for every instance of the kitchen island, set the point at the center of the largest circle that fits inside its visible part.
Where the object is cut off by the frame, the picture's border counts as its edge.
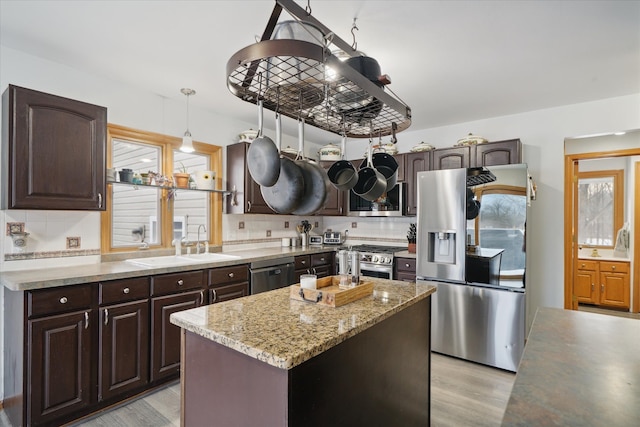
(578, 369)
(269, 360)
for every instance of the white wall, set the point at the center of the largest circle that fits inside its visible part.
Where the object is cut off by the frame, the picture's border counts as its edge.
(542, 133)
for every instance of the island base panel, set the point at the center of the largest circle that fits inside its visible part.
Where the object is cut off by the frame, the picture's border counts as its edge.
(379, 377)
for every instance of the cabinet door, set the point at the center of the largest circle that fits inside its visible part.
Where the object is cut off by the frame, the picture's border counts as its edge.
(335, 198)
(59, 366)
(414, 163)
(584, 286)
(498, 153)
(228, 292)
(55, 152)
(401, 159)
(451, 158)
(247, 197)
(124, 348)
(165, 336)
(614, 289)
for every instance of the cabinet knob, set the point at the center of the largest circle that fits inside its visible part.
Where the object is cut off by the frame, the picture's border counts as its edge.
(407, 265)
(583, 265)
(322, 259)
(303, 262)
(63, 300)
(613, 267)
(231, 274)
(602, 288)
(126, 290)
(180, 282)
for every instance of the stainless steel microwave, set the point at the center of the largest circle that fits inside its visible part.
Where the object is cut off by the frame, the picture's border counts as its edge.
(391, 203)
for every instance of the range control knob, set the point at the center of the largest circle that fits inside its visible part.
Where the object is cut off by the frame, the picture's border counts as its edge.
(375, 258)
(387, 260)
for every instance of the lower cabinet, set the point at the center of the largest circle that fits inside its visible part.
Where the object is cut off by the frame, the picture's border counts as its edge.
(227, 283)
(320, 264)
(171, 293)
(405, 269)
(59, 379)
(605, 283)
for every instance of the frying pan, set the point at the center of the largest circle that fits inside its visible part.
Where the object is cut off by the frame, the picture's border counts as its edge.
(316, 181)
(284, 196)
(263, 159)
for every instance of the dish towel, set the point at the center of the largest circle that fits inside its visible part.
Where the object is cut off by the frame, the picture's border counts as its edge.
(622, 242)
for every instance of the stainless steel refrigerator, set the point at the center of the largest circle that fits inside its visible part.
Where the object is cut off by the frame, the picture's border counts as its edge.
(471, 247)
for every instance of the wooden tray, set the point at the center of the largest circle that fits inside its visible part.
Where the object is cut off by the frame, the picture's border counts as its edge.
(329, 293)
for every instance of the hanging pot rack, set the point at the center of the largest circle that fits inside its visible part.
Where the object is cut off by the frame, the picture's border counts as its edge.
(314, 98)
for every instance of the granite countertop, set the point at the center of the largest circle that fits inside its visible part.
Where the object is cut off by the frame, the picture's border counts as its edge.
(603, 258)
(284, 333)
(577, 369)
(24, 280)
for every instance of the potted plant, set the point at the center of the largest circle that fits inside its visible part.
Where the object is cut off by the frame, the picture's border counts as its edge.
(411, 237)
(182, 177)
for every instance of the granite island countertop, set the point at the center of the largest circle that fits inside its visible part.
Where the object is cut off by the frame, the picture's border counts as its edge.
(42, 278)
(577, 369)
(284, 333)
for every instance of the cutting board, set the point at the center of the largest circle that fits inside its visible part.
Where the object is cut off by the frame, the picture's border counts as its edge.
(329, 293)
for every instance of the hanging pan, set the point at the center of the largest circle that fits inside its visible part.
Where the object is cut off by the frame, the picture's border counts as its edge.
(284, 196)
(371, 183)
(342, 174)
(316, 182)
(263, 159)
(387, 165)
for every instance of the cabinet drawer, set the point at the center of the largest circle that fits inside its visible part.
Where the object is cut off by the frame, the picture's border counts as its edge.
(225, 275)
(123, 290)
(176, 282)
(614, 267)
(302, 261)
(406, 264)
(320, 259)
(587, 265)
(58, 300)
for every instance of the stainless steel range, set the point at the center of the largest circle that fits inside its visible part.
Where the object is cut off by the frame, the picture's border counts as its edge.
(375, 260)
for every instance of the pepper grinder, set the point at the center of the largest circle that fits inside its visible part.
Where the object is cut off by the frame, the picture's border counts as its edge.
(354, 256)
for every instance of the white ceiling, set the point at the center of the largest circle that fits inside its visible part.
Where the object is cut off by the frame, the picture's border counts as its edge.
(450, 61)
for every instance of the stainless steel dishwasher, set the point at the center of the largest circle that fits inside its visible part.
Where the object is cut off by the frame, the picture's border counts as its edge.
(271, 274)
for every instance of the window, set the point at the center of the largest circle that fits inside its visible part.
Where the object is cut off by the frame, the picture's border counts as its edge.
(151, 214)
(600, 207)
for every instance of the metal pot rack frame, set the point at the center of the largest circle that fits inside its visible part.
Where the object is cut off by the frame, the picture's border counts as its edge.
(313, 98)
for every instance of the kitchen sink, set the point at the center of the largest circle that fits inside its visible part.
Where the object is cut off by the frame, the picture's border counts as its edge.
(173, 260)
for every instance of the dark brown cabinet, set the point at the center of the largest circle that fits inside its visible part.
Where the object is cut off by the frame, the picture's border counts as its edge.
(498, 153)
(227, 283)
(123, 357)
(53, 152)
(405, 269)
(246, 196)
(59, 371)
(320, 264)
(451, 158)
(171, 293)
(414, 163)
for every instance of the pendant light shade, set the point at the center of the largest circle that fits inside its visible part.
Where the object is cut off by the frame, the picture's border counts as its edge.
(187, 140)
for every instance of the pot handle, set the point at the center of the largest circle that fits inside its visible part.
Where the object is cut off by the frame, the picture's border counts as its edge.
(300, 139)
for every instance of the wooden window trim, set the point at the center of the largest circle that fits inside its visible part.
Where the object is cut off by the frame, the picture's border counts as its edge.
(167, 145)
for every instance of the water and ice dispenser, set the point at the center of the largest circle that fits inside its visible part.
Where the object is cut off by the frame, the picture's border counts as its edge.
(442, 247)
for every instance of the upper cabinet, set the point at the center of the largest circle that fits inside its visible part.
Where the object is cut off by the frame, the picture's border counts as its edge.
(487, 154)
(53, 152)
(246, 196)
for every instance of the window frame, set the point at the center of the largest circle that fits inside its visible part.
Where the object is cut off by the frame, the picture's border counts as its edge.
(167, 145)
(618, 203)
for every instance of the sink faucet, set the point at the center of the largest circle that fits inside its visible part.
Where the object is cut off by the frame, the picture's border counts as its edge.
(204, 230)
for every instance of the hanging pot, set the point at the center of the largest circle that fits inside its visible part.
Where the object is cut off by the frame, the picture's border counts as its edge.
(263, 158)
(354, 103)
(388, 167)
(371, 183)
(284, 196)
(315, 178)
(342, 174)
(473, 206)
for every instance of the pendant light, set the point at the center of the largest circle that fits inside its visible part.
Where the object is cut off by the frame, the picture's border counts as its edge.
(187, 141)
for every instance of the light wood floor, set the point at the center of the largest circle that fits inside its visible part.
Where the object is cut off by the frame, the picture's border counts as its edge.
(462, 394)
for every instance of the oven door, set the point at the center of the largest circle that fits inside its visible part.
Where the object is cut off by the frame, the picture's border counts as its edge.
(375, 270)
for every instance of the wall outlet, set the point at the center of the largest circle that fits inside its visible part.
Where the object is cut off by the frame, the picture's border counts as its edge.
(286, 224)
(268, 233)
(73, 242)
(316, 224)
(15, 227)
(354, 225)
(241, 225)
